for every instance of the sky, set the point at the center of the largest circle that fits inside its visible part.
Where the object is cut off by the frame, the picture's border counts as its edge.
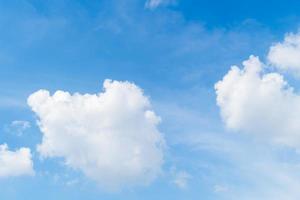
(149, 99)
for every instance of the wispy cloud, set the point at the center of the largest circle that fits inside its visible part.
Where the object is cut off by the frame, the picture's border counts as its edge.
(180, 178)
(152, 4)
(12, 102)
(242, 167)
(17, 127)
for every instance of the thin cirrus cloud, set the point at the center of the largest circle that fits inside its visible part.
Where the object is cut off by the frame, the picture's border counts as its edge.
(15, 163)
(18, 127)
(286, 55)
(112, 137)
(152, 4)
(181, 179)
(260, 103)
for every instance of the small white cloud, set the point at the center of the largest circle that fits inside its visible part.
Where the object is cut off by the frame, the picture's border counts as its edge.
(15, 163)
(112, 136)
(152, 4)
(72, 182)
(286, 55)
(18, 127)
(180, 178)
(220, 189)
(260, 103)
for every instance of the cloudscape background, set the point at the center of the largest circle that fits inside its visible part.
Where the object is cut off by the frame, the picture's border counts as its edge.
(149, 99)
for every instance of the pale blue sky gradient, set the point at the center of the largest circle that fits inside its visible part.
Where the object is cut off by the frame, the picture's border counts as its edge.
(176, 53)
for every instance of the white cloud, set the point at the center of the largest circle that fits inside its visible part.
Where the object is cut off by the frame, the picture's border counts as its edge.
(18, 127)
(260, 103)
(111, 136)
(152, 4)
(220, 188)
(245, 168)
(180, 178)
(15, 163)
(286, 55)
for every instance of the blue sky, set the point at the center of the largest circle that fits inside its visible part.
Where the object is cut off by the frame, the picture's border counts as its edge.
(175, 51)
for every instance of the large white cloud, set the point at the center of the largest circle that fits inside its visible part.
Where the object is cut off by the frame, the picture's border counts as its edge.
(286, 55)
(15, 163)
(261, 103)
(111, 136)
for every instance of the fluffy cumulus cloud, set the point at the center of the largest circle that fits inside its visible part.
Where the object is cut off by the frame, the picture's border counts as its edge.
(152, 4)
(286, 55)
(261, 103)
(15, 163)
(112, 137)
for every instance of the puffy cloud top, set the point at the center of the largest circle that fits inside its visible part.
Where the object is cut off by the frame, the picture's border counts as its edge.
(286, 55)
(112, 136)
(15, 163)
(260, 103)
